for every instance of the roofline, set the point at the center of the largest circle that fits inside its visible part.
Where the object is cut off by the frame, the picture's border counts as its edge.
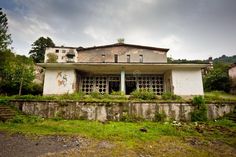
(115, 45)
(55, 65)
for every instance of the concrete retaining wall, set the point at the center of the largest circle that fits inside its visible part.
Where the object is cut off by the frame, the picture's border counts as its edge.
(115, 111)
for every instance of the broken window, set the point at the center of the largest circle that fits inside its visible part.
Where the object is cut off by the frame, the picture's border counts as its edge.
(141, 58)
(114, 84)
(130, 84)
(116, 58)
(94, 84)
(151, 82)
(103, 58)
(128, 58)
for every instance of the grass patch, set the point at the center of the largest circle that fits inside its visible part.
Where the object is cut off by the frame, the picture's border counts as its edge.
(127, 133)
(219, 96)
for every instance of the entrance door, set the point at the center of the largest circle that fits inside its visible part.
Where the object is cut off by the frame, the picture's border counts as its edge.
(130, 84)
(114, 86)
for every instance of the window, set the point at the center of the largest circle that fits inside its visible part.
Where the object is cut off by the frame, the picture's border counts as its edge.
(141, 58)
(57, 51)
(63, 51)
(116, 58)
(128, 58)
(103, 58)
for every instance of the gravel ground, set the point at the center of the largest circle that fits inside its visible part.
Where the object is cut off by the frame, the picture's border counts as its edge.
(17, 145)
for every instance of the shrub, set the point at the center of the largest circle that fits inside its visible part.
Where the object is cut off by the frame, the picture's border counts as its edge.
(143, 94)
(131, 118)
(160, 116)
(117, 93)
(170, 96)
(26, 119)
(52, 58)
(200, 111)
(96, 95)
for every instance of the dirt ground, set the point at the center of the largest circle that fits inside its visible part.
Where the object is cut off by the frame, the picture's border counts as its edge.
(18, 145)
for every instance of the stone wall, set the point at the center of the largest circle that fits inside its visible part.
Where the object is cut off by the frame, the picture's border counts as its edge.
(115, 111)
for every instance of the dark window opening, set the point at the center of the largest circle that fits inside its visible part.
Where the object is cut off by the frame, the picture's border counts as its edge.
(114, 86)
(141, 58)
(130, 86)
(57, 51)
(116, 58)
(128, 58)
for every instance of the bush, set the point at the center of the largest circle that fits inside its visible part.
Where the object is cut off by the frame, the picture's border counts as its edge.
(200, 111)
(143, 94)
(96, 95)
(217, 79)
(160, 116)
(131, 118)
(170, 96)
(26, 119)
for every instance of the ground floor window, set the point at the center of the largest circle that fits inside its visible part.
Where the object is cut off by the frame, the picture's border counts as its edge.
(108, 83)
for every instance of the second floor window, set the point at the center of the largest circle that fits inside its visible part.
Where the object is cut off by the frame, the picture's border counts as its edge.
(141, 58)
(128, 58)
(57, 51)
(103, 58)
(116, 58)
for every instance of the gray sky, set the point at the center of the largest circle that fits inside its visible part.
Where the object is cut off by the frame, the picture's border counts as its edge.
(192, 29)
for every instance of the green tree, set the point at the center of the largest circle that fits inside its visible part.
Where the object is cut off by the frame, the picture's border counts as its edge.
(17, 73)
(38, 49)
(217, 79)
(5, 38)
(52, 58)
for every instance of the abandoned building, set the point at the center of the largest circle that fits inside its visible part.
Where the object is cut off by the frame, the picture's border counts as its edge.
(118, 67)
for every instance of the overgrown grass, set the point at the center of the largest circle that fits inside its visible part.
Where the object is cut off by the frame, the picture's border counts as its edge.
(127, 133)
(219, 96)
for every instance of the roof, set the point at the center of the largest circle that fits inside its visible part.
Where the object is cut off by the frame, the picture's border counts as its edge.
(116, 45)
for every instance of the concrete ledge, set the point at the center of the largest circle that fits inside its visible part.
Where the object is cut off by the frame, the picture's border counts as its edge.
(102, 111)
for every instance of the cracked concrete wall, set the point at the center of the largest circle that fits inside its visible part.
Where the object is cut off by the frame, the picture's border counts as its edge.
(115, 111)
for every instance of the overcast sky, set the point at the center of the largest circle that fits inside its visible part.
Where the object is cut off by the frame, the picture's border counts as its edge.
(192, 29)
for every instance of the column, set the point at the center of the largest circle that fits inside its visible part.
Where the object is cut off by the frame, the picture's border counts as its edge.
(122, 81)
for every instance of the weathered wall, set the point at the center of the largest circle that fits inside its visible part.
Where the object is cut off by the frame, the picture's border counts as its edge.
(61, 54)
(187, 82)
(95, 55)
(115, 111)
(59, 81)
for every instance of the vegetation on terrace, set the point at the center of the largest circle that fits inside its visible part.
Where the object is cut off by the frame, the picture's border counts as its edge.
(141, 95)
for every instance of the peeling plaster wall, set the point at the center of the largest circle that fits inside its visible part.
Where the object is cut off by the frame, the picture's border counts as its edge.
(115, 111)
(95, 55)
(59, 81)
(62, 58)
(187, 82)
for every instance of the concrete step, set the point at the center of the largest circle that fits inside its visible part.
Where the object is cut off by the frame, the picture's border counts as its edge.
(6, 113)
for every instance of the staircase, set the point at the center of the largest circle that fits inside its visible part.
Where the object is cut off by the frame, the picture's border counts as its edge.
(232, 116)
(6, 113)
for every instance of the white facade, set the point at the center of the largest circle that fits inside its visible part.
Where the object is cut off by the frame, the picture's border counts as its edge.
(58, 81)
(187, 82)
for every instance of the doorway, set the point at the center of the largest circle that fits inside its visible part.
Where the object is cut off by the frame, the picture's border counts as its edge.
(130, 84)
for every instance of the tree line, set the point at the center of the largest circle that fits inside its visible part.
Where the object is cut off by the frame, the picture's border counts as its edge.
(17, 72)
